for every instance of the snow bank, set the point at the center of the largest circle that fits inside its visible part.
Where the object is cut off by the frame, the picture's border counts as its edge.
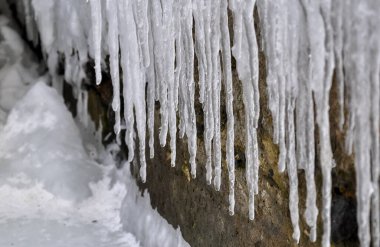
(40, 124)
(52, 193)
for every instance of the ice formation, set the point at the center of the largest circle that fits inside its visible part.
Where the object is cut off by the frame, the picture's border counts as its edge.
(305, 43)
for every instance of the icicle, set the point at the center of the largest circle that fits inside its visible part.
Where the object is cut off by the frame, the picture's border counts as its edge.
(169, 44)
(311, 212)
(127, 80)
(305, 137)
(292, 171)
(113, 44)
(322, 104)
(274, 37)
(375, 123)
(321, 67)
(247, 67)
(208, 104)
(337, 21)
(361, 112)
(227, 74)
(186, 80)
(158, 32)
(85, 109)
(96, 18)
(151, 95)
(138, 82)
(203, 26)
(133, 83)
(140, 10)
(292, 50)
(282, 70)
(29, 22)
(200, 46)
(180, 70)
(375, 147)
(216, 87)
(44, 17)
(164, 40)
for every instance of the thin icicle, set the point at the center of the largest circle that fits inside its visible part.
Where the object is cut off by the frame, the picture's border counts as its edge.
(311, 212)
(281, 77)
(96, 20)
(251, 45)
(127, 80)
(113, 44)
(227, 74)
(151, 94)
(169, 46)
(203, 26)
(375, 148)
(158, 34)
(292, 87)
(216, 87)
(200, 46)
(180, 71)
(292, 171)
(138, 84)
(337, 21)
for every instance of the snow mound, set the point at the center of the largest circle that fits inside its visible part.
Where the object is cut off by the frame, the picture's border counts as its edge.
(52, 193)
(40, 124)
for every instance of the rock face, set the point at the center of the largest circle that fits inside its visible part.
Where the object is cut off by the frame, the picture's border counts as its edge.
(201, 212)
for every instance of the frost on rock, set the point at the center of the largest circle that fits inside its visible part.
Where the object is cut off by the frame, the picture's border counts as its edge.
(163, 43)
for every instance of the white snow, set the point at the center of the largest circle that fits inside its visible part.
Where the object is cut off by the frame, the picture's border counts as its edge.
(58, 185)
(55, 194)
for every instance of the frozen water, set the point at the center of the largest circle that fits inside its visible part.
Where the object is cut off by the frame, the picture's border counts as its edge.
(304, 43)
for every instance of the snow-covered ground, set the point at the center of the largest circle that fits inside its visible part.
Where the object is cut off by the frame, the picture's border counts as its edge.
(58, 186)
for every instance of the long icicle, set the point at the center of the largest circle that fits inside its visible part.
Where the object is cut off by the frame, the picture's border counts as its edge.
(96, 18)
(245, 39)
(216, 87)
(113, 44)
(227, 79)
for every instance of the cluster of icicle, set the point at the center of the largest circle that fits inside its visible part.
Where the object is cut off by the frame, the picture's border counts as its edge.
(305, 42)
